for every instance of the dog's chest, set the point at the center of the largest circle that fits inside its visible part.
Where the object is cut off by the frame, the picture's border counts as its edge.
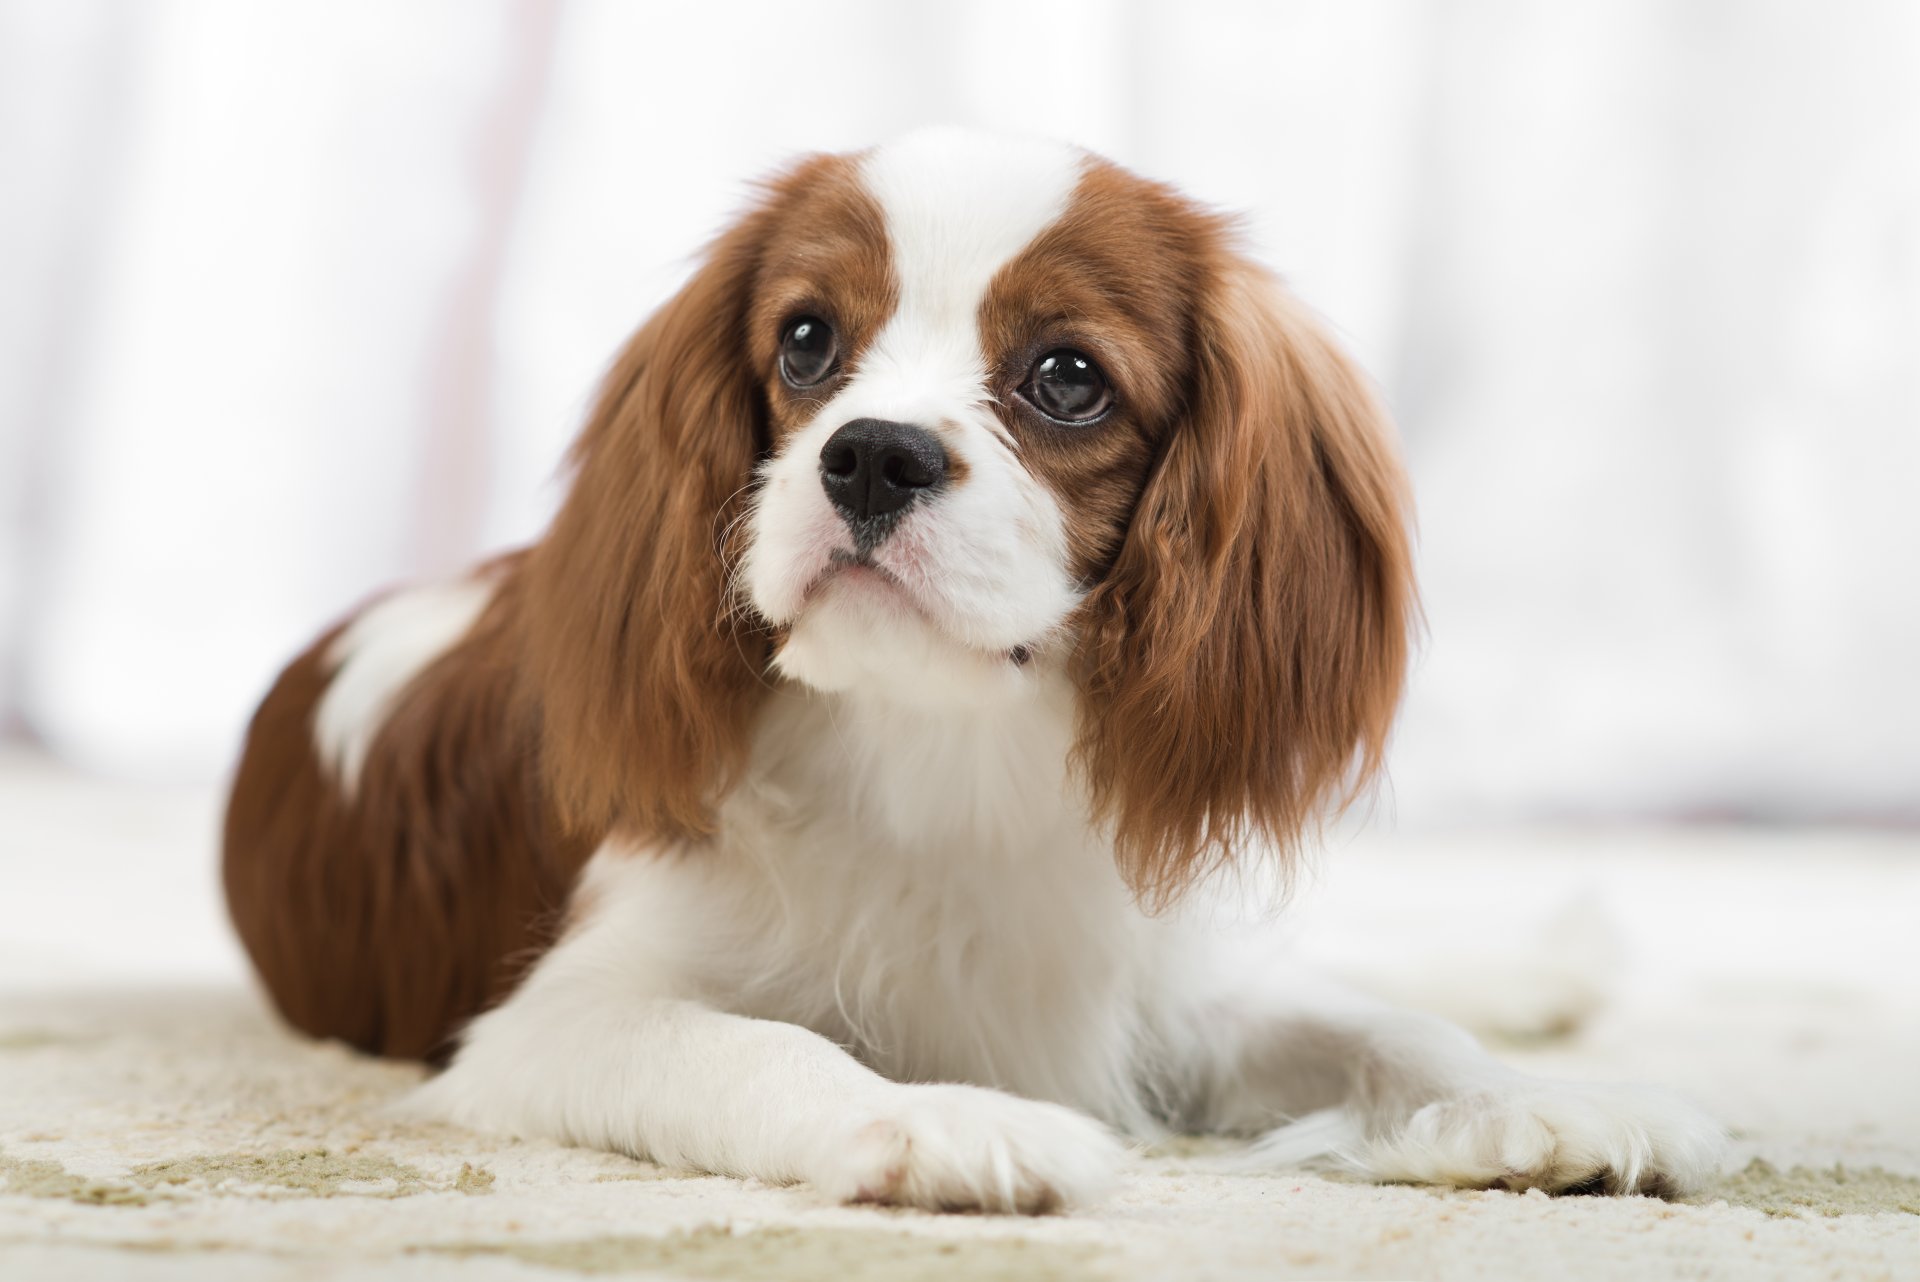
(943, 908)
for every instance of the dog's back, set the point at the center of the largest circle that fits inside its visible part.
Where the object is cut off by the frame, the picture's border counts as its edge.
(390, 887)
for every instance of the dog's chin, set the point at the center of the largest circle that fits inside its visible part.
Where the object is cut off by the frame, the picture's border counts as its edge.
(861, 635)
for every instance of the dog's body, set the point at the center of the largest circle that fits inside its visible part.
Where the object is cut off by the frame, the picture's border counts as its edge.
(827, 749)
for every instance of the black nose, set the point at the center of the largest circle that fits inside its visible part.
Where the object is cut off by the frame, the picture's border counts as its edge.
(871, 468)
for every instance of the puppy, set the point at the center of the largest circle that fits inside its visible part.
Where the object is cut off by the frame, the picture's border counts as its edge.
(973, 570)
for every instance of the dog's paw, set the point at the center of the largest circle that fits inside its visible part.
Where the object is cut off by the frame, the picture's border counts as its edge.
(1563, 1137)
(963, 1148)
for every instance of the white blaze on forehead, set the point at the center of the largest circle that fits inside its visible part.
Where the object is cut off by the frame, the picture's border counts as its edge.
(959, 206)
(379, 653)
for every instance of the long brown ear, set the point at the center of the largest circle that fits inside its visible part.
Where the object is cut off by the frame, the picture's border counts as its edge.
(1242, 660)
(645, 679)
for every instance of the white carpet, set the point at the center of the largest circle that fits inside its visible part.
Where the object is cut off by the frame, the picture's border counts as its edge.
(154, 1121)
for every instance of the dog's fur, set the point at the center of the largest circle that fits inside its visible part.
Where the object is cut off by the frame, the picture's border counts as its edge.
(715, 830)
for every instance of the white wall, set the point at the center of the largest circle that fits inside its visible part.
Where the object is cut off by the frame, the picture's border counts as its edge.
(307, 297)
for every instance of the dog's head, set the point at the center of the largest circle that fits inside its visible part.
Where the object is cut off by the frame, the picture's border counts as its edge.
(944, 420)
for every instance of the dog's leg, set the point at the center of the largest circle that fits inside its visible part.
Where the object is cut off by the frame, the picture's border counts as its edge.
(1404, 1096)
(589, 1051)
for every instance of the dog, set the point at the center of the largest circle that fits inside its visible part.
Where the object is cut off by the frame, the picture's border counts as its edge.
(970, 581)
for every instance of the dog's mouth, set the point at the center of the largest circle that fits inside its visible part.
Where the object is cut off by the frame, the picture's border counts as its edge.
(857, 572)
(861, 571)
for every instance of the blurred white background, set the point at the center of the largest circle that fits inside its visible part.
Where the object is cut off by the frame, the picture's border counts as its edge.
(303, 298)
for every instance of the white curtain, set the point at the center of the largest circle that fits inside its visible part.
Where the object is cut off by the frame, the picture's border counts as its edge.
(305, 298)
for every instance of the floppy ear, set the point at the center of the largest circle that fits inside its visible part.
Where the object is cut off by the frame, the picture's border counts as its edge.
(1243, 657)
(644, 678)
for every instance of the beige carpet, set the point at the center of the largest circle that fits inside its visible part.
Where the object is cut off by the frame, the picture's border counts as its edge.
(154, 1121)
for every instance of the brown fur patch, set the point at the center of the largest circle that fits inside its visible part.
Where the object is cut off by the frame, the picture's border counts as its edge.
(390, 919)
(646, 672)
(1241, 661)
(1239, 515)
(1117, 278)
(827, 255)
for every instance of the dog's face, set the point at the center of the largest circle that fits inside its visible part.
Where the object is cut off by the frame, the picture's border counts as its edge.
(970, 351)
(953, 416)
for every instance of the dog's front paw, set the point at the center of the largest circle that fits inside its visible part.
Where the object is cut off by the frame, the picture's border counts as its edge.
(1558, 1136)
(963, 1148)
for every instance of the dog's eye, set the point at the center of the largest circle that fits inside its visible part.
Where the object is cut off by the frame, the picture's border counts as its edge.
(1067, 387)
(807, 350)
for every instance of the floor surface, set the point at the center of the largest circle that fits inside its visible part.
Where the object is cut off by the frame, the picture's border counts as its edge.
(155, 1121)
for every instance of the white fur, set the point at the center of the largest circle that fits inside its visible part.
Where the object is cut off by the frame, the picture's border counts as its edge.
(860, 887)
(1529, 1133)
(375, 658)
(906, 891)
(903, 896)
(853, 900)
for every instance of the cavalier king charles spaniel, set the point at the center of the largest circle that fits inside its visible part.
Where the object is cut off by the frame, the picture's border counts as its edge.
(971, 575)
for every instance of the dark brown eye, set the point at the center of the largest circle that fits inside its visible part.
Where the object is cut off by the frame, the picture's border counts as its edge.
(807, 350)
(1067, 387)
